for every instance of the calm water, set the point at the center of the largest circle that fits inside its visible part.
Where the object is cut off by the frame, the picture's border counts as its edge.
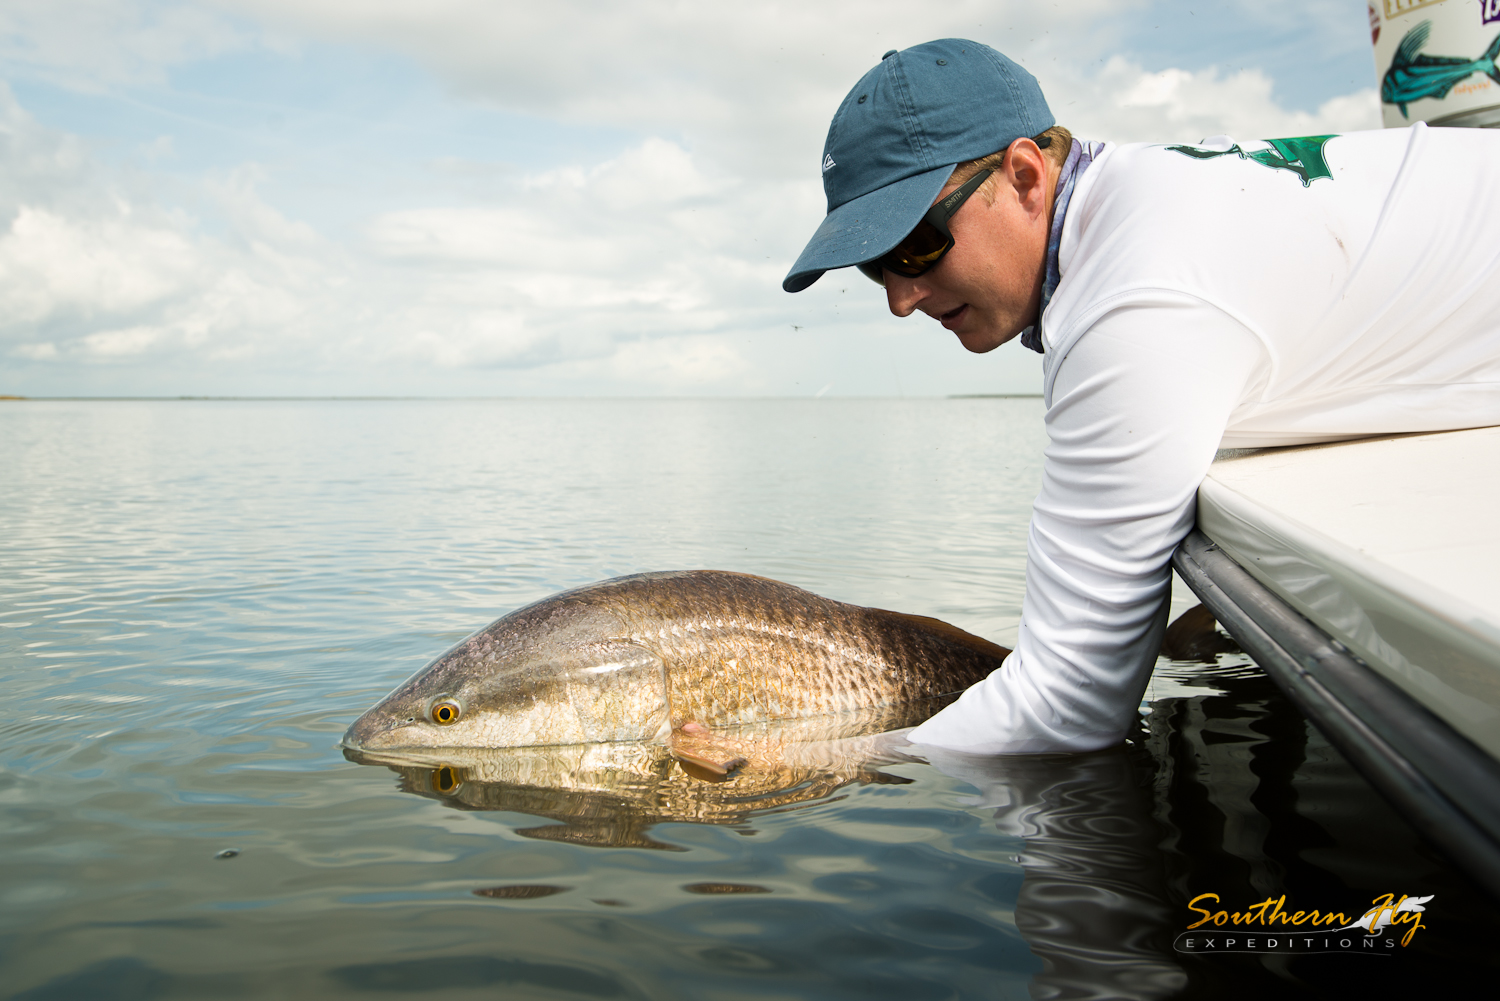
(196, 598)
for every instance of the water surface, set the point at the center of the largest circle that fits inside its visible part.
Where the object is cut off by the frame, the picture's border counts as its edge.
(196, 598)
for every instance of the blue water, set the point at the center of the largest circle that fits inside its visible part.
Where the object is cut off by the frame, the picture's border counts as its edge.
(198, 597)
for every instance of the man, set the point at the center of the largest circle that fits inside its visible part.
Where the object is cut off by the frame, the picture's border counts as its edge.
(1184, 298)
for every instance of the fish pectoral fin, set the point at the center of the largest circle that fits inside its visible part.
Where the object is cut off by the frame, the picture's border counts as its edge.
(707, 769)
(703, 757)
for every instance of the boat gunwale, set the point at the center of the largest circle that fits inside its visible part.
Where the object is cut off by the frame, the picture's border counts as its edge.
(1445, 786)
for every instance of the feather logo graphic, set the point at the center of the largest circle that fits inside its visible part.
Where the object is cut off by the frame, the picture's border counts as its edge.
(1384, 914)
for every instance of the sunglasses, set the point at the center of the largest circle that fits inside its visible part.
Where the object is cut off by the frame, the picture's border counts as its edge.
(924, 246)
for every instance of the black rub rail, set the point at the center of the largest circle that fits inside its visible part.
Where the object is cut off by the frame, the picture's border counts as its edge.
(1443, 785)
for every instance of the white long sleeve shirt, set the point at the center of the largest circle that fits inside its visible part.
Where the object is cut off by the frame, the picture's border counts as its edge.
(1226, 296)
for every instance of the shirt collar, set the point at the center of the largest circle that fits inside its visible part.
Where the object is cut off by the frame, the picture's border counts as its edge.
(1080, 156)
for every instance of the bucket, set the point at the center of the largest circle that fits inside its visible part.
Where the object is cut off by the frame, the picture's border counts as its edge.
(1435, 61)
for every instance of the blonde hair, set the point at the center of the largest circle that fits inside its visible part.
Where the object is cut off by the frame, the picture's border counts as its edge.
(1056, 151)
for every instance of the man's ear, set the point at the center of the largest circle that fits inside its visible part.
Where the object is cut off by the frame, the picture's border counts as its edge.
(1026, 170)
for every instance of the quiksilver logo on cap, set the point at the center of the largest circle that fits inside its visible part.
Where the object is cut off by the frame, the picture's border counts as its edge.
(828, 163)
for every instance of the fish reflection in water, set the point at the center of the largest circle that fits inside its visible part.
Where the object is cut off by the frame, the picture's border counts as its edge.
(611, 794)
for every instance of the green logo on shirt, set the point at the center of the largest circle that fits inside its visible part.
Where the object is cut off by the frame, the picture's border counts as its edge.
(1302, 155)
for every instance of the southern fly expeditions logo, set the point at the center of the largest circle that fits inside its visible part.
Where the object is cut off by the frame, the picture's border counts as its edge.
(1268, 927)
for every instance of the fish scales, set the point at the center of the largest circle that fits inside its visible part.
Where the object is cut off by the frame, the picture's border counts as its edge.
(805, 652)
(634, 657)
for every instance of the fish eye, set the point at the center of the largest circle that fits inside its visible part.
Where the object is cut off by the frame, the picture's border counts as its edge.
(447, 779)
(445, 712)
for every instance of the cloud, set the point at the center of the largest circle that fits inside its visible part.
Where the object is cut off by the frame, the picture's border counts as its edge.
(654, 266)
(576, 266)
(640, 246)
(89, 44)
(94, 270)
(1127, 103)
(753, 85)
(748, 83)
(61, 267)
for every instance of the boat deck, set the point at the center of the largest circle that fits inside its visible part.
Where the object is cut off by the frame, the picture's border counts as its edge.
(1390, 545)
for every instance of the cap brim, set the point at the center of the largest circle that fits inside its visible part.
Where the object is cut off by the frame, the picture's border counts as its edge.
(867, 227)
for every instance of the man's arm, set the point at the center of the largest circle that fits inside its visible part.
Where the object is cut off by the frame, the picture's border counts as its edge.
(1138, 408)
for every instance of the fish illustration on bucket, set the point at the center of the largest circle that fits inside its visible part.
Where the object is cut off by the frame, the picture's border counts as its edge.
(1426, 65)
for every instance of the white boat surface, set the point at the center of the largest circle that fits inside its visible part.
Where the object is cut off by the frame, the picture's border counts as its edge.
(1364, 577)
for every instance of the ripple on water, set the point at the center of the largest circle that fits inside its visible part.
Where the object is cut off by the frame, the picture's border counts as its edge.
(197, 598)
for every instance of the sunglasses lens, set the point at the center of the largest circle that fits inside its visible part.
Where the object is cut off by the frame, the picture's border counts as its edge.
(873, 271)
(922, 248)
(913, 256)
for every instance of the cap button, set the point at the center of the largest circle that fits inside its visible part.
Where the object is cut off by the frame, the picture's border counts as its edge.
(888, 55)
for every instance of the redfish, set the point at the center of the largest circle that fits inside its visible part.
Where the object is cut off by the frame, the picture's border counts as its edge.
(665, 657)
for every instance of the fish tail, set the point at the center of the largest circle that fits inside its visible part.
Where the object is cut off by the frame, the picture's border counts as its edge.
(1489, 57)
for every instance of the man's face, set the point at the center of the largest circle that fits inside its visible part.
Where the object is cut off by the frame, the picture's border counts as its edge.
(987, 289)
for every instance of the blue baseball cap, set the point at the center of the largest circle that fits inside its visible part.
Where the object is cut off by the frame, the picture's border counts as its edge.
(898, 135)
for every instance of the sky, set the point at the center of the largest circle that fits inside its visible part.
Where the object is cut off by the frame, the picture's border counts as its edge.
(488, 198)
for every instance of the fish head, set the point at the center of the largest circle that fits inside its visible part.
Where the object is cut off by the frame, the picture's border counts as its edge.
(559, 672)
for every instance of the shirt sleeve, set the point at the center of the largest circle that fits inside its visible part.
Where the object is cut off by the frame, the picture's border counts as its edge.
(1138, 408)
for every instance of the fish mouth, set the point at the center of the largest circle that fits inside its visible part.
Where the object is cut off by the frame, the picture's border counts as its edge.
(376, 731)
(398, 757)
